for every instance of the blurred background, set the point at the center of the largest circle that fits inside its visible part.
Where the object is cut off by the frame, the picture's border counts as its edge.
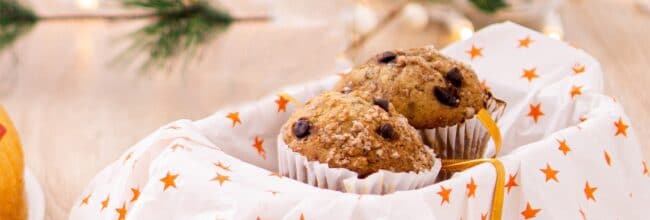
(85, 79)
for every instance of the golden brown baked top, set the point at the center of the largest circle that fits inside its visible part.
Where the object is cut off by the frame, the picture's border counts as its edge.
(346, 131)
(428, 88)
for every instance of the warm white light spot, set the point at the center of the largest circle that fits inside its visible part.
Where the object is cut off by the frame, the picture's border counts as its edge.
(466, 32)
(555, 36)
(415, 16)
(460, 28)
(554, 32)
(365, 19)
(553, 26)
(87, 4)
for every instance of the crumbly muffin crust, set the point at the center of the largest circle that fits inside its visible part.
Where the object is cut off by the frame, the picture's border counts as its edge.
(346, 131)
(428, 88)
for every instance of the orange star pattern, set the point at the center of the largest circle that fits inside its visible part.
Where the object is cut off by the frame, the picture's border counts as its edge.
(444, 194)
(282, 104)
(84, 201)
(512, 181)
(589, 191)
(471, 188)
(582, 119)
(582, 214)
(536, 111)
(550, 173)
(222, 166)
(608, 159)
(564, 147)
(234, 116)
(475, 52)
(259, 146)
(136, 194)
(169, 180)
(525, 42)
(529, 212)
(483, 216)
(578, 68)
(121, 212)
(645, 168)
(575, 91)
(105, 202)
(221, 179)
(530, 74)
(621, 127)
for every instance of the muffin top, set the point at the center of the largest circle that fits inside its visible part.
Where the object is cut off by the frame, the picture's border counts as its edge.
(428, 88)
(346, 131)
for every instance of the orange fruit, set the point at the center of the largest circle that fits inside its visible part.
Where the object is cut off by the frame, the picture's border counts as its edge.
(12, 187)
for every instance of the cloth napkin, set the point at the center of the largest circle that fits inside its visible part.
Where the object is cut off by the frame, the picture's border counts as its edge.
(569, 153)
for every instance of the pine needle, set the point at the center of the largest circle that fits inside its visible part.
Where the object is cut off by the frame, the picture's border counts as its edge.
(15, 21)
(176, 34)
(489, 6)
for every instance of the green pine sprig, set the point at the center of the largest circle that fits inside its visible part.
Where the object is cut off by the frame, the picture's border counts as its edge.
(15, 21)
(489, 6)
(176, 35)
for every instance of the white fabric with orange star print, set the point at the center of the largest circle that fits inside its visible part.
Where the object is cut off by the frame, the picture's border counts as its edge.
(569, 153)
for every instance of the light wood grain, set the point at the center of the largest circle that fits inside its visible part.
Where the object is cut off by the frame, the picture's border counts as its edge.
(617, 34)
(76, 114)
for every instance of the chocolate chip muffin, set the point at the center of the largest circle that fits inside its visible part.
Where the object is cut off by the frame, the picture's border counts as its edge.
(428, 88)
(346, 131)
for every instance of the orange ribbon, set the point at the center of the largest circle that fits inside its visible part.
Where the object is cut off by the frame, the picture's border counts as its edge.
(453, 165)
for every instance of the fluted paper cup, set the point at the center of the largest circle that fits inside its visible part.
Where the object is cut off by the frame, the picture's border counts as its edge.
(464, 141)
(315, 173)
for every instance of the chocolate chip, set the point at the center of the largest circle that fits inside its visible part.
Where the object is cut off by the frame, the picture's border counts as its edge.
(383, 103)
(301, 128)
(455, 77)
(387, 57)
(447, 96)
(386, 131)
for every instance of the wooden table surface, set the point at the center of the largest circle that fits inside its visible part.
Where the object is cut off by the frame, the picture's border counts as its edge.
(76, 113)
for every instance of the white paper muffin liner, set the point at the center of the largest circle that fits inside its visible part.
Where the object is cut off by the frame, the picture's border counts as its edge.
(315, 173)
(467, 140)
